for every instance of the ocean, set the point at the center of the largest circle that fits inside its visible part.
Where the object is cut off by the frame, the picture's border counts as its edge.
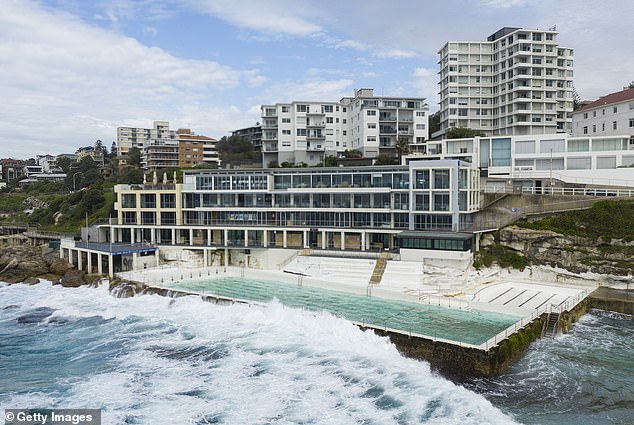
(157, 360)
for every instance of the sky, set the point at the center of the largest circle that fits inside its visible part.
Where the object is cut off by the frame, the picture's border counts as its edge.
(72, 71)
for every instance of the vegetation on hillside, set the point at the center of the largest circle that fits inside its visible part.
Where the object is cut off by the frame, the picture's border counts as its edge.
(500, 255)
(607, 219)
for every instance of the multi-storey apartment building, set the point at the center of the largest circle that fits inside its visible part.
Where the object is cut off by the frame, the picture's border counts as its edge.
(301, 132)
(194, 149)
(163, 148)
(610, 115)
(252, 134)
(160, 137)
(306, 132)
(375, 124)
(519, 81)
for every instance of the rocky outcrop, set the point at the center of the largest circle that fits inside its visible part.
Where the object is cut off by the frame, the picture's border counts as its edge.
(574, 253)
(27, 263)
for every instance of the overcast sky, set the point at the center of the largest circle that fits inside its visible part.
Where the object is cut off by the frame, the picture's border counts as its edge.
(72, 71)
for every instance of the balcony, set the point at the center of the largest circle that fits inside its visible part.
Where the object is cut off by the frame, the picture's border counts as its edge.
(269, 147)
(269, 125)
(313, 124)
(315, 147)
(315, 136)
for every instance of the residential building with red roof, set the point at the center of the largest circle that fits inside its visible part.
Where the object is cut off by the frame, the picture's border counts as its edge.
(610, 115)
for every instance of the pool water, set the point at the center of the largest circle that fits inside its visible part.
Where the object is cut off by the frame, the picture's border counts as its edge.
(472, 327)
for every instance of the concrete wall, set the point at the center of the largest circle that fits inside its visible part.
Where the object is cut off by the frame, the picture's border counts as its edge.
(457, 259)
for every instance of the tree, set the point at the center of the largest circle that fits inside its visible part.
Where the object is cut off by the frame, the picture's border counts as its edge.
(462, 133)
(64, 163)
(273, 164)
(113, 150)
(131, 175)
(402, 148)
(330, 161)
(434, 123)
(134, 157)
(384, 159)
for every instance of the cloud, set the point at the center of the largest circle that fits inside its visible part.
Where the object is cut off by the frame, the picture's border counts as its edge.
(310, 90)
(425, 82)
(502, 4)
(71, 83)
(290, 17)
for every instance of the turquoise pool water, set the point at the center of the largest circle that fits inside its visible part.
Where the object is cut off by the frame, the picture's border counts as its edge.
(473, 327)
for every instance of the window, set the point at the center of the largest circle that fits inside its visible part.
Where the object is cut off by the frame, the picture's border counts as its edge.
(613, 125)
(422, 179)
(302, 108)
(441, 179)
(585, 115)
(168, 200)
(631, 105)
(525, 146)
(128, 201)
(301, 132)
(594, 128)
(327, 108)
(285, 109)
(585, 130)
(581, 145)
(286, 120)
(329, 120)
(286, 132)
(371, 125)
(615, 109)
(441, 202)
(371, 112)
(420, 126)
(631, 122)
(420, 113)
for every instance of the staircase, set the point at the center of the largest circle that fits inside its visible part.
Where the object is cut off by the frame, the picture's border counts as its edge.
(552, 323)
(379, 268)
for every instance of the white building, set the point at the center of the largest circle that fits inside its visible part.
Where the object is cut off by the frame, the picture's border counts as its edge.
(610, 115)
(545, 160)
(518, 81)
(299, 132)
(159, 135)
(48, 163)
(306, 132)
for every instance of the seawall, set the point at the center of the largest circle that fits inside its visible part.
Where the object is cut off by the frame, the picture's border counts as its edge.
(617, 300)
(459, 361)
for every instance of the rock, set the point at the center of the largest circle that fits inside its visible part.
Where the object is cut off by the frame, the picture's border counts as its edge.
(31, 280)
(60, 266)
(12, 264)
(576, 254)
(73, 278)
(36, 315)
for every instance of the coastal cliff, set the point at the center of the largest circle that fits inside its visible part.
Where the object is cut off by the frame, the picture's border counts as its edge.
(577, 254)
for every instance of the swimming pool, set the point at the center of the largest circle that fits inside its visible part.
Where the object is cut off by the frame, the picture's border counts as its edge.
(472, 327)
